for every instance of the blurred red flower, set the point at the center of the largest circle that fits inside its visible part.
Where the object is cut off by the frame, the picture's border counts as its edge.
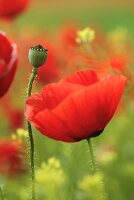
(16, 119)
(67, 35)
(8, 63)
(13, 114)
(50, 71)
(12, 160)
(78, 107)
(119, 62)
(10, 8)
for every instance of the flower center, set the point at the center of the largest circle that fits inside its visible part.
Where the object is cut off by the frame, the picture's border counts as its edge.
(97, 133)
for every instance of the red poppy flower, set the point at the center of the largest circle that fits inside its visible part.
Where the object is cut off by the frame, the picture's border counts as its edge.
(8, 63)
(12, 160)
(68, 34)
(78, 107)
(9, 9)
(50, 71)
(15, 118)
(13, 114)
(119, 62)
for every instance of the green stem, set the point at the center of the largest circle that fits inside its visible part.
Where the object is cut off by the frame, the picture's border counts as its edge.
(102, 194)
(31, 80)
(92, 155)
(31, 140)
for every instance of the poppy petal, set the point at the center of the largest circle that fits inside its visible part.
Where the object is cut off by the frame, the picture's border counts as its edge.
(9, 9)
(84, 112)
(84, 78)
(34, 104)
(5, 48)
(52, 126)
(6, 77)
(53, 94)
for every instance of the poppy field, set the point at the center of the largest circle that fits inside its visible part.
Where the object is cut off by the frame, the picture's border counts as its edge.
(66, 100)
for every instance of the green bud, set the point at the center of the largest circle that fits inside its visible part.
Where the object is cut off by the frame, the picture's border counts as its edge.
(37, 56)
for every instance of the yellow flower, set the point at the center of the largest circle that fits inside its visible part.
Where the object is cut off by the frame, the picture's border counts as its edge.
(90, 181)
(21, 133)
(50, 179)
(50, 173)
(92, 184)
(85, 35)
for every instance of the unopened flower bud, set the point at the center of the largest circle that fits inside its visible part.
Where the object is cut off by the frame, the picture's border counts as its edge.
(37, 56)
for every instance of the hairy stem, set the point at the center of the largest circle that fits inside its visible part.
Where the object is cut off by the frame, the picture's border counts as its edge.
(102, 193)
(92, 155)
(31, 139)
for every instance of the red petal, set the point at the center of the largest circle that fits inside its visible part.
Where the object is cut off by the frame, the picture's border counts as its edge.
(34, 104)
(52, 126)
(6, 77)
(83, 113)
(50, 71)
(53, 94)
(5, 48)
(9, 9)
(84, 78)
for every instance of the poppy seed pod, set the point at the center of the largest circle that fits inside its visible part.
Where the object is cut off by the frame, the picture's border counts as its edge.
(37, 56)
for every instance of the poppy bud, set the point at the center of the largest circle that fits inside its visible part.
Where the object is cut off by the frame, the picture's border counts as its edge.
(37, 56)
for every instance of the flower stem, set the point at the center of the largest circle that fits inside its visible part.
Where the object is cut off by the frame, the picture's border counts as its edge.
(92, 155)
(31, 139)
(102, 193)
(31, 80)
